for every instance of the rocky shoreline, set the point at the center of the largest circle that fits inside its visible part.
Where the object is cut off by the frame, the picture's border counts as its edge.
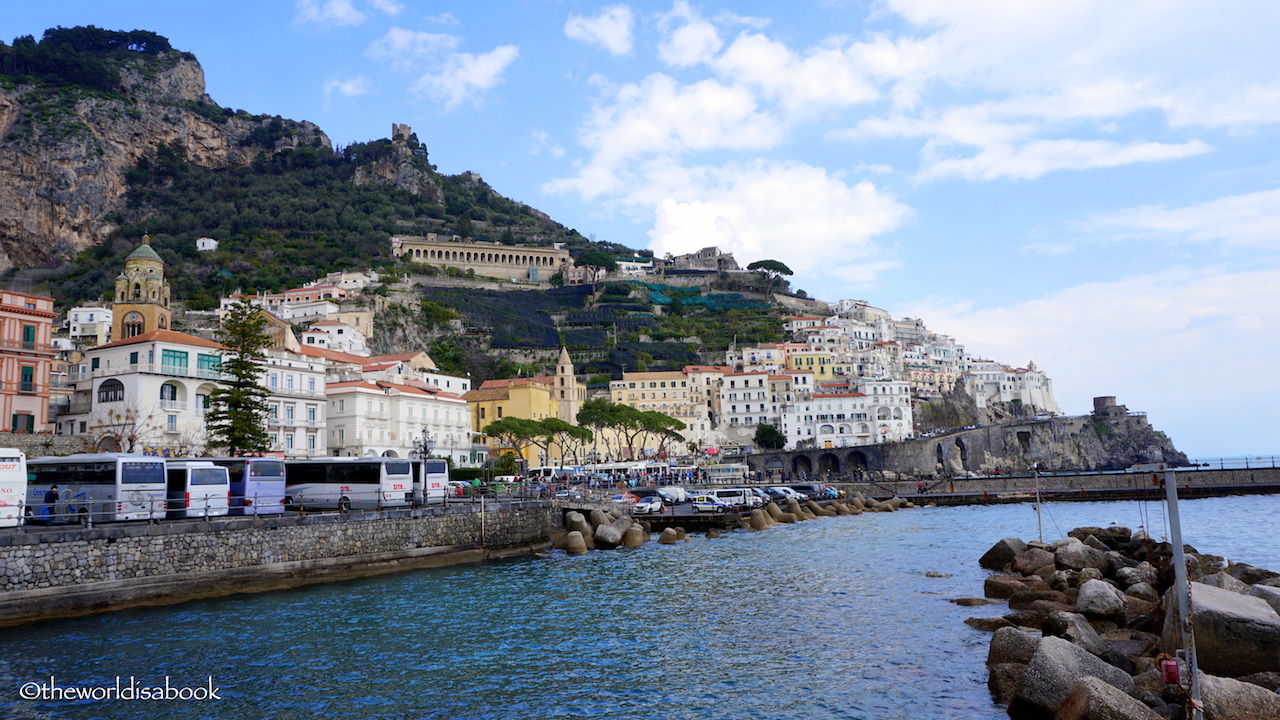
(608, 530)
(1092, 633)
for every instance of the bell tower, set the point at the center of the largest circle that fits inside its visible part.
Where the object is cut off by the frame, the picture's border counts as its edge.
(568, 392)
(142, 295)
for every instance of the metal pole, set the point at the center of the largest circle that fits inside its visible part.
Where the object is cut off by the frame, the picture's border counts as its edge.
(1035, 470)
(1183, 594)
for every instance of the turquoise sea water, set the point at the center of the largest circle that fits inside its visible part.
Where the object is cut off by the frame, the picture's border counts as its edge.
(833, 618)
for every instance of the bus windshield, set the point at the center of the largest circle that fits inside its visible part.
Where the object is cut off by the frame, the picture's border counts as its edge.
(208, 476)
(268, 468)
(132, 473)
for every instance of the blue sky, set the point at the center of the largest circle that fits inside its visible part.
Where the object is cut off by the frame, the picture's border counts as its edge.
(1090, 185)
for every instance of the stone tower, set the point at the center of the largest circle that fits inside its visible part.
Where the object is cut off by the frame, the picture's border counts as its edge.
(142, 296)
(569, 393)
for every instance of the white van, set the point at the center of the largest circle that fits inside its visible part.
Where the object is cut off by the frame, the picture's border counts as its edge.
(736, 498)
(13, 486)
(197, 489)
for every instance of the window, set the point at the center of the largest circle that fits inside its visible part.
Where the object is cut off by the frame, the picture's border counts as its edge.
(133, 358)
(311, 442)
(111, 391)
(171, 424)
(28, 337)
(168, 392)
(23, 423)
(288, 413)
(28, 382)
(209, 364)
(173, 360)
(93, 363)
(311, 414)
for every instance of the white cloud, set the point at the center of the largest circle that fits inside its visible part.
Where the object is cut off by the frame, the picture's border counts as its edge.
(814, 222)
(611, 29)
(387, 7)
(446, 18)
(1170, 343)
(463, 75)
(352, 87)
(404, 49)
(690, 39)
(1249, 221)
(328, 12)
(542, 141)
(1041, 157)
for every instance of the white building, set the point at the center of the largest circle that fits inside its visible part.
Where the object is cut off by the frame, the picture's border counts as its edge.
(296, 404)
(148, 393)
(90, 324)
(385, 419)
(335, 336)
(879, 412)
(206, 244)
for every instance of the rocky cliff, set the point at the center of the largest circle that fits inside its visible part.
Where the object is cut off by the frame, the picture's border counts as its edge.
(65, 148)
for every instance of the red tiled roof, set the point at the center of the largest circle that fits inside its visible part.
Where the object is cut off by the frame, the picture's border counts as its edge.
(168, 336)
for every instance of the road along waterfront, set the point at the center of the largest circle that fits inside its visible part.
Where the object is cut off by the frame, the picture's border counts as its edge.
(833, 618)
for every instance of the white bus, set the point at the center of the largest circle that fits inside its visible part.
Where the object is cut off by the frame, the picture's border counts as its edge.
(430, 481)
(342, 483)
(197, 489)
(102, 487)
(257, 484)
(13, 486)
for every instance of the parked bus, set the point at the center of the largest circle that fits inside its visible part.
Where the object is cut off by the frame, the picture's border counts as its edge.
(98, 487)
(343, 483)
(197, 489)
(430, 481)
(257, 484)
(13, 486)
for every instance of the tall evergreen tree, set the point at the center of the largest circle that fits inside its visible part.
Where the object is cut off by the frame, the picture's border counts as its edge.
(238, 410)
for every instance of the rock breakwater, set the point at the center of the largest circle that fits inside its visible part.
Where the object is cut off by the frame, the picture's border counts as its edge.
(1092, 630)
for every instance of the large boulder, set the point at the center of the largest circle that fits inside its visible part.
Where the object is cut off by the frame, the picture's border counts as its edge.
(1078, 556)
(1270, 594)
(758, 520)
(634, 536)
(1235, 634)
(1227, 699)
(608, 536)
(1032, 559)
(1094, 699)
(575, 522)
(1101, 599)
(1074, 628)
(1002, 586)
(1053, 671)
(1023, 599)
(574, 543)
(669, 536)
(1003, 678)
(1011, 645)
(1226, 582)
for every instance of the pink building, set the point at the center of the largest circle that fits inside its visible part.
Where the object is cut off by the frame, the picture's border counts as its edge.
(26, 355)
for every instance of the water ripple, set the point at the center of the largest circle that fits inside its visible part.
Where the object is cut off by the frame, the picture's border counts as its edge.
(821, 620)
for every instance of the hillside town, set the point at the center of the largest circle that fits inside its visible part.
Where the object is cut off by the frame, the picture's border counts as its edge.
(117, 376)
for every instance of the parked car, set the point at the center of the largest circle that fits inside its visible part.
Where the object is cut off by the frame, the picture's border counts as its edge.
(790, 493)
(735, 498)
(709, 503)
(625, 498)
(647, 505)
(776, 494)
(568, 495)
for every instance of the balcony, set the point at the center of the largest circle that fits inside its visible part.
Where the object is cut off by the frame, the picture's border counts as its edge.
(173, 405)
(28, 346)
(148, 368)
(294, 392)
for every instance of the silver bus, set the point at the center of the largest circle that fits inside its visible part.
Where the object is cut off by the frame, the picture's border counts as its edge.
(342, 483)
(257, 484)
(98, 487)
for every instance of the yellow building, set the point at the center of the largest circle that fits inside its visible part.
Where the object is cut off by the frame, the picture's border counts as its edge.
(536, 398)
(142, 296)
(824, 365)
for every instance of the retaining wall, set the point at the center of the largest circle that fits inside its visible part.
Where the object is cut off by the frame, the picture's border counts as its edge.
(54, 573)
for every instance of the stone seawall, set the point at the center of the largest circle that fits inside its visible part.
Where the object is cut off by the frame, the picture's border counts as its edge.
(1210, 481)
(54, 573)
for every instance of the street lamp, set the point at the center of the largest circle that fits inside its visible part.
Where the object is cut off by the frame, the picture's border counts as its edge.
(424, 446)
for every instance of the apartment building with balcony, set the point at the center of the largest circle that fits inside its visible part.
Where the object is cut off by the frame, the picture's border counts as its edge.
(296, 403)
(26, 356)
(148, 393)
(386, 419)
